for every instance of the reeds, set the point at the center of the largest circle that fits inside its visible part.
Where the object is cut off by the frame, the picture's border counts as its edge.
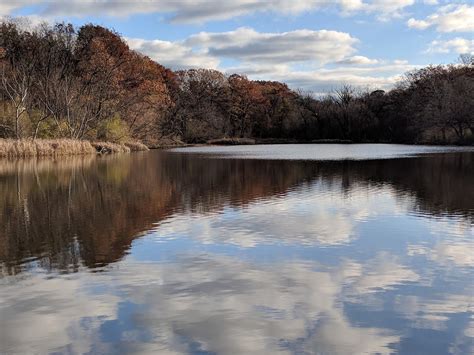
(136, 146)
(110, 148)
(24, 148)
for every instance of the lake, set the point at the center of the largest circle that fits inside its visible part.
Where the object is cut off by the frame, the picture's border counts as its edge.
(295, 249)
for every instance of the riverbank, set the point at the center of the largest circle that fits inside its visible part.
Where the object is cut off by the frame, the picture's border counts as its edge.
(22, 148)
(246, 141)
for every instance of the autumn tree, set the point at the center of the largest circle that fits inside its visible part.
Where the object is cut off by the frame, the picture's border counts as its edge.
(279, 103)
(246, 104)
(143, 97)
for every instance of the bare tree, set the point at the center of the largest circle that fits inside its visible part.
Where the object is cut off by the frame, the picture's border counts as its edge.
(17, 62)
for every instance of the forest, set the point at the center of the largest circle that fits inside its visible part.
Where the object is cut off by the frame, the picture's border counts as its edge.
(58, 81)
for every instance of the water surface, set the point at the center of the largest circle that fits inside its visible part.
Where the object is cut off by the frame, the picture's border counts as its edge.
(320, 152)
(324, 249)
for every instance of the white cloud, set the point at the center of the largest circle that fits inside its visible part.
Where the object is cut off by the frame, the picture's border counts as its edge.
(449, 18)
(418, 24)
(175, 55)
(192, 11)
(387, 7)
(349, 6)
(184, 11)
(248, 45)
(385, 10)
(7, 7)
(456, 45)
(358, 60)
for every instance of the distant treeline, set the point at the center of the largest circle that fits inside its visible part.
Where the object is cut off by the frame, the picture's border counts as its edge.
(59, 82)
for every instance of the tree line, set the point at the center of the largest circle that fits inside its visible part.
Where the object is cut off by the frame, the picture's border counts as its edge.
(86, 83)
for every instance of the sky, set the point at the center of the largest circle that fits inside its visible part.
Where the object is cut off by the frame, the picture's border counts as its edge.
(313, 45)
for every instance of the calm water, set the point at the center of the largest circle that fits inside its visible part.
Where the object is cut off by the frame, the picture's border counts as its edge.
(325, 249)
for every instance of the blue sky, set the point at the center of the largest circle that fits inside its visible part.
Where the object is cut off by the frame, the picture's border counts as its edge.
(316, 45)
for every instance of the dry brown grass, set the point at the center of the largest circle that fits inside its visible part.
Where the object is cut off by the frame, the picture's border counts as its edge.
(25, 148)
(110, 148)
(11, 148)
(136, 146)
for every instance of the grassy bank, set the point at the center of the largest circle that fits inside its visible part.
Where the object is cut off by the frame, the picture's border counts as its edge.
(12, 148)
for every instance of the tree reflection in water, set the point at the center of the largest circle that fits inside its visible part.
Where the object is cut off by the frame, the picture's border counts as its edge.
(85, 210)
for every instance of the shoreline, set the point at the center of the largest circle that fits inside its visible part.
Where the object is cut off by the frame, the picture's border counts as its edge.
(271, 141)
(29, 148)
